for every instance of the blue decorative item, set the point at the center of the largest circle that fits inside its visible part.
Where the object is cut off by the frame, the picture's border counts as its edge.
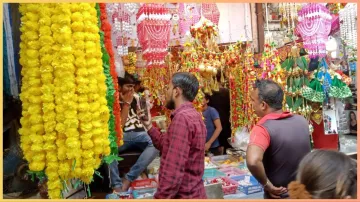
(352, 66)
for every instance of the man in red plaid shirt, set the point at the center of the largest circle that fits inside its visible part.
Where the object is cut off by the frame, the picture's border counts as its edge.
(182, 147)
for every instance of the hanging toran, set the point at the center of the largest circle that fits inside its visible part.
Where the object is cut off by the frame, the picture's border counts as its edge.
(314, 27)
(189, 16)
(205, 32)
(153, 30)
(206, 50)
(236, 83)
(119, 18)
(211, 12)
(348, 27)
(289, 13)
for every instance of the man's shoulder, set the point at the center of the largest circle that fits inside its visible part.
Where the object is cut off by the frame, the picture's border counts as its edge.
(188, 115)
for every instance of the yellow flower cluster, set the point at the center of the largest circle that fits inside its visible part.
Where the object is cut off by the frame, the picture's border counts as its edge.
(65, 114)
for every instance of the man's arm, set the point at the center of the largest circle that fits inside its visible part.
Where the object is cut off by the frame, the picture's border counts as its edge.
(126, 100)
(156, 136)
(254, 157)
(173, 163)
(218, 129)
(259, 142)
(124, 113)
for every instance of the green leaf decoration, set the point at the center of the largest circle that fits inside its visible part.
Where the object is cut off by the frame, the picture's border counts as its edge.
(78, 182)
(109, 159)
(36, 174)
(289, 101)
(288, 64)
(298, 103)
(285, 63)
(300, 63)
(297, 83)
(73, 165)
(88, 191)
(306, 65)
(98, 174)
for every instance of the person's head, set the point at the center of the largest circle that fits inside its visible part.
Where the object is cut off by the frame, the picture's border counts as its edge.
(266, 97)
(206, 100)
(182, 88)
(352, 116)
(325, 174)
(137, 86)
(127, 83)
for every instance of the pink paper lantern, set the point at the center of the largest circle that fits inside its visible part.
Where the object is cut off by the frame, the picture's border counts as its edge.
(189, 15)
(211, 12)
(314, 27)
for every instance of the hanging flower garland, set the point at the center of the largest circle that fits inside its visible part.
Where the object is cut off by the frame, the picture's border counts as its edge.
(32, 130)
(63, 93)
(106, 28)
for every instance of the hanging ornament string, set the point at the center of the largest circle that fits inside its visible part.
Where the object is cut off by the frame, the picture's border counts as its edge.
(266, 17)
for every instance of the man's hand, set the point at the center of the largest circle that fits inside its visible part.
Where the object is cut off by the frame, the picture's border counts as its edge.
(127, 97)
(207, 146)
(275, 192)
(146, 123)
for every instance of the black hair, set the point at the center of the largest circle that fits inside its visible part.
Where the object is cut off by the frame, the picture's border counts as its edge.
(207, 96)
(188, 83)
(352, 112)
(128, 79)
(314, 64)
(270, 92)
(141, 89)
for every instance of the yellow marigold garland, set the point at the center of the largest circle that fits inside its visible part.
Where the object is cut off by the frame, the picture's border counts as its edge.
(65, 110)
(32, 130)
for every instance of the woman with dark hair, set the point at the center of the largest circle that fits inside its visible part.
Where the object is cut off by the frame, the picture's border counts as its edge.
(353, 124)
(325, 174)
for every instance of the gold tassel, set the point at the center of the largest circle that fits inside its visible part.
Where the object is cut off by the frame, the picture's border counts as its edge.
(216, 88)
(222, 79)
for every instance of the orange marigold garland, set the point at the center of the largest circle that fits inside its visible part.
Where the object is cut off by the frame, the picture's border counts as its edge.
(106, 28)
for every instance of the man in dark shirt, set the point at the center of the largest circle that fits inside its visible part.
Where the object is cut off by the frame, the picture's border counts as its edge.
(182, 147)
(220, 100)
(278, 142)
(135, 137)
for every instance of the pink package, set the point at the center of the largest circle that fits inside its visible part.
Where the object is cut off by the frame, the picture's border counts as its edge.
(232, 171)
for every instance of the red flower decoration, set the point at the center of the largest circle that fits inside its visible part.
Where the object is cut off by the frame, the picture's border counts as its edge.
(106, 28)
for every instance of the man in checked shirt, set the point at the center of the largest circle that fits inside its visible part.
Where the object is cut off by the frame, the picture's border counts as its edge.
(182, 147)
